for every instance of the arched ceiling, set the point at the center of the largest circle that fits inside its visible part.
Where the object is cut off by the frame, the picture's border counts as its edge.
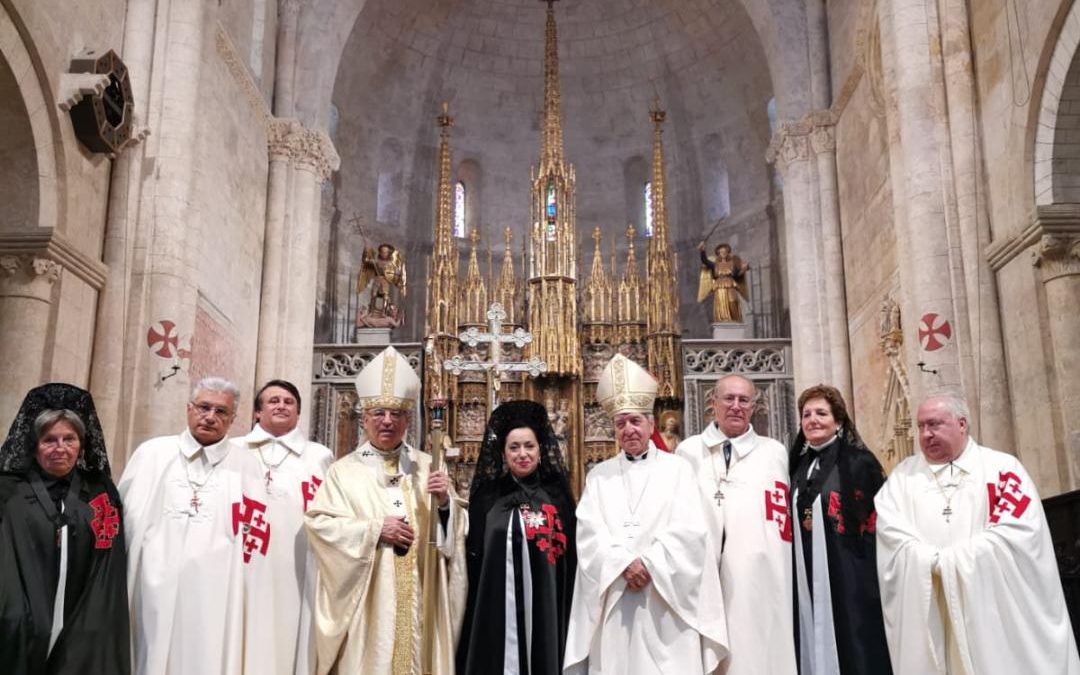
(703, 59)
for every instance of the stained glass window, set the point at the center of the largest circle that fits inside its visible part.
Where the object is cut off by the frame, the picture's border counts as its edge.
(459, 209)
(648, 209)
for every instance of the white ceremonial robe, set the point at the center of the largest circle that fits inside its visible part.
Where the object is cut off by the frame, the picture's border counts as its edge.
(979, 593)
(188, 547)
(292, 468)
(753, 546)
(646, 509)
(356, 596)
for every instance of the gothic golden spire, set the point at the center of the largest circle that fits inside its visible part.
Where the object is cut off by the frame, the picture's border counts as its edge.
(630, 285)
(596, 295)
(552, 286)
(442, 277)
(506, 289)
(474, 302)
(551, 152)
(662, 334)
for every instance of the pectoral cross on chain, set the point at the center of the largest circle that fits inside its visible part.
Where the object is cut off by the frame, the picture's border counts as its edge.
(719, 496)
(398, 503)
(269, 477)
(947, 511)
(195, 501)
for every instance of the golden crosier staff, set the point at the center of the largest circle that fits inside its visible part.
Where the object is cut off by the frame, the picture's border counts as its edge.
(431, 583)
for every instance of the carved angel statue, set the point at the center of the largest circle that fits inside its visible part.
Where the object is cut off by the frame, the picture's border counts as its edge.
(380, 271)
(723, 275)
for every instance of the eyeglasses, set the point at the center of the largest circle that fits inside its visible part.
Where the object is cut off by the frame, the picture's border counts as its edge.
(205, 410)
(731, 401)
(379, 413)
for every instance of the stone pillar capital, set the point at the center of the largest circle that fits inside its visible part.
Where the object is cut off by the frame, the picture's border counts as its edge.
(315, 152)
(288, 9)
(823, 139)
(32, 266)
(1058, 255)
(307, 149)
(790, 144)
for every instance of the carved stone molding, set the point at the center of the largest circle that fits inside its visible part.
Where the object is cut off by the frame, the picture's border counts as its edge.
(280, 136)
(33, 267)
(315, 151)
(46, 243)
(1058, 256)
(823, 139)
(240, 72)
(1054, 220)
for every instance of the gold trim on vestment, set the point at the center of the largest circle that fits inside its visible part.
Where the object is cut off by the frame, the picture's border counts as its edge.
(405, 566)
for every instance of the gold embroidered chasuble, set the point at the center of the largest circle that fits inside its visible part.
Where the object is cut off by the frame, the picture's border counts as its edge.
(367, 596)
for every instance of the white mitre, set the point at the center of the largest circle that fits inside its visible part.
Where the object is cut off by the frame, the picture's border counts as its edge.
(389, 382)
(625, 386)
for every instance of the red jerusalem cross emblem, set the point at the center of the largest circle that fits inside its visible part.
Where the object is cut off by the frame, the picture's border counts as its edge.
(308, 489)
(776, 509)
(250, 516)
(934, 331)
(106, 522)
(1006, 497)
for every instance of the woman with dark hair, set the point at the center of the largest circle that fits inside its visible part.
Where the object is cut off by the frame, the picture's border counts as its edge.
(520, 548)
(834, 477)
(63, 566)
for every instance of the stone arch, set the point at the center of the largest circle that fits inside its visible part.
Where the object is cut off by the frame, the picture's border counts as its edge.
(1056, 152)
(34, 142)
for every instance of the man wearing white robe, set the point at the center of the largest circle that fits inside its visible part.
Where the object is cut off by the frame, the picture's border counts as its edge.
(969, 585)
(292, 468)
(195, 518)
(646, 597)
(368, 528)
(744, 480)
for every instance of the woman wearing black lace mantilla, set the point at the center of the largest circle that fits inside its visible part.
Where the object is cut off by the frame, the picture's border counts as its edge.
(63, 566)
(521, 537)
(838, 623)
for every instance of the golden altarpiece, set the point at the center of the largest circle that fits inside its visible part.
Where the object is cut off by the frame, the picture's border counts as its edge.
(576, 323)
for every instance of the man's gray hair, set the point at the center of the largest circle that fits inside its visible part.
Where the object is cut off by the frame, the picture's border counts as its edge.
(730, 376)
(956, 405)
(219, 384)
(47, 418)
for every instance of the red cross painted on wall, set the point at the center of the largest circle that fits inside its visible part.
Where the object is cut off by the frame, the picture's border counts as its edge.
(935, 331)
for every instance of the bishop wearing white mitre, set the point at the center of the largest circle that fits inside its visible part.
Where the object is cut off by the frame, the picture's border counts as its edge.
(368, 526)
(647, 594)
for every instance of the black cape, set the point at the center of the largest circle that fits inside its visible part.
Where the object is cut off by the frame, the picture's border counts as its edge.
(95, 636)
(552, 562)
(856, 600)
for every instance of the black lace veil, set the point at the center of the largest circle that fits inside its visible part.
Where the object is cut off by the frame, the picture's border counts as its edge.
(490, 466)
(17, 452)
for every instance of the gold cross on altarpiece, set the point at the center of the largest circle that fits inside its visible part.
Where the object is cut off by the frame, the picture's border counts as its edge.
(495, 367)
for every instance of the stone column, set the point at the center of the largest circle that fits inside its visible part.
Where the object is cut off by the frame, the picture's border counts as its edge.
(109, 380)
(281, 140)
(932, 273)
(290, 265)
(823, 143)
(1058, 258)
(285, 58)
(173, 221)
(790, 150)
(805, 155)
(26, 290)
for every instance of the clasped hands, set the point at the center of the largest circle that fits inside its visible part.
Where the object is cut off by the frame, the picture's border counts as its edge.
(637, 577)
(396, 531)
